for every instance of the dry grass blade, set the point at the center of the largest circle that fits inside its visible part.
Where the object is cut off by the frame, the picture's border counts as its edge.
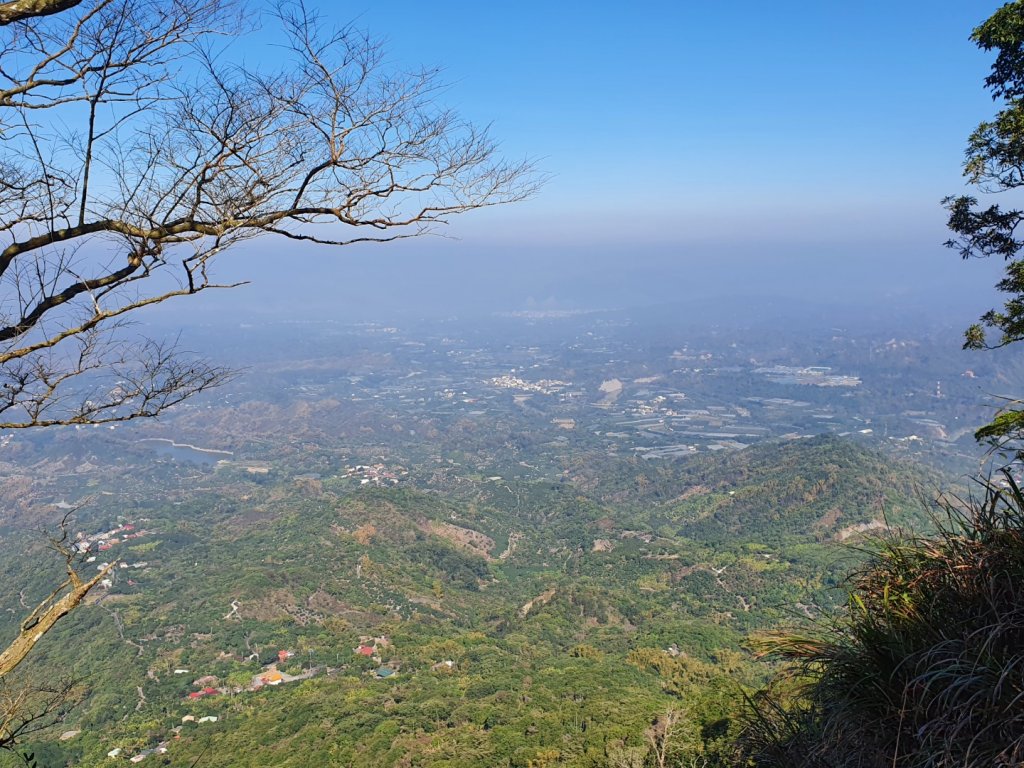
(924, 669)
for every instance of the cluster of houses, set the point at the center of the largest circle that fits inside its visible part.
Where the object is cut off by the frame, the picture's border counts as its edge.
(159, 749)
(107, 539)
(543, 386)
(162, 747)
(375, 474)
(369, 647)
(104, 541)
(271, 676)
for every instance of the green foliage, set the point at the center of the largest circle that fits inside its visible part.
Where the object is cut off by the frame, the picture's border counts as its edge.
(458, 568)
(614, 635)
(925, 666)
(1009, 422)
(994, 162)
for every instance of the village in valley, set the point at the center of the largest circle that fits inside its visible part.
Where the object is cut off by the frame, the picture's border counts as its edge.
(274, 672)
(373, 656)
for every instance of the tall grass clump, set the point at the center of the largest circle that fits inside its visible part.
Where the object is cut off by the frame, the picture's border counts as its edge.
(925, 666)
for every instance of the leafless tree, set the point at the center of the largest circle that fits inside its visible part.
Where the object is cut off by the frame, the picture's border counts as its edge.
(661, 733)
(136, 146)
(26, 710)
(672, 742)
(134, 150)
(27, 707)
(59, 603)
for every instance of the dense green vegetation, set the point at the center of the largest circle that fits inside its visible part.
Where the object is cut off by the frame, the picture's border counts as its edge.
(574, 613)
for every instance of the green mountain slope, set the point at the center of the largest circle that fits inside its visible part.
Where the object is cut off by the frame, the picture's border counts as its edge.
(508, 623)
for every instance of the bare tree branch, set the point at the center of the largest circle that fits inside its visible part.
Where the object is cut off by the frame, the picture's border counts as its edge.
(28, 709)
(19, 10)
(662, 733)
(59, 603)
(133, 152)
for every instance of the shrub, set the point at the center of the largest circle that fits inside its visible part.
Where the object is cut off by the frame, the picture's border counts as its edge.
(924, 668)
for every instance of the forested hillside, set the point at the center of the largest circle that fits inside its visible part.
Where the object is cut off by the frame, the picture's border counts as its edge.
(509, 623)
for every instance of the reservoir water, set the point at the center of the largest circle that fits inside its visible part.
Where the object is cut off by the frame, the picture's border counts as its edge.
(184, 452)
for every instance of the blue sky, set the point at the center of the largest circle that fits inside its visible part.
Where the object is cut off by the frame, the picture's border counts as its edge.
(794, 147)
(695, 108)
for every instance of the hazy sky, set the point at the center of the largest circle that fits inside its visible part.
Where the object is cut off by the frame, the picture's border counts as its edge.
(693, 147)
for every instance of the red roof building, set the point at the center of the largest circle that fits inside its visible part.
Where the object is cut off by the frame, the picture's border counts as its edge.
(365, 650)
